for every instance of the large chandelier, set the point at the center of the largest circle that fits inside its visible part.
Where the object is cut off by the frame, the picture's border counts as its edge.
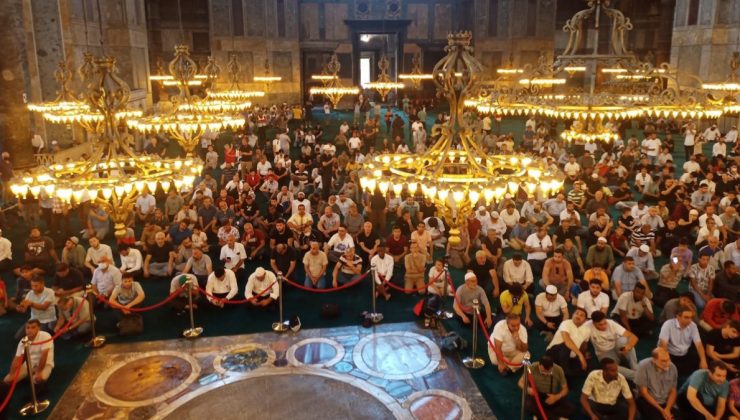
(383, 85)
(455, 173)
(234, 93)
(333, 88)
(617, 85)
(192, 116)
(268, 78)
(114, 175)
(416, 76)
(727, 92)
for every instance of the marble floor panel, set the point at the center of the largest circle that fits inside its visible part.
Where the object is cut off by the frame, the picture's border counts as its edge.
(390, 371)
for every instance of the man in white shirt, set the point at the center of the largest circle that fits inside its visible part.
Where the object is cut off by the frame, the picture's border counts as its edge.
(537, 246)
(220, 286)
(569, 343)
(263, 289)
(516, 270)
(601, 392)
(719, 148)
(572, 169)
(593, 300)
(613, 341)
(354, 143)
(338, 244)
(383, 265)
(550, 309)
(301, 199)
(131, 260)
(510, 339)
(711, 133)
(651, 147)
(6, 253)
(145, 204)
(233, 254)
(96, 252)
(731, 137)
(691, 165)
(42, 355)
(634, 311)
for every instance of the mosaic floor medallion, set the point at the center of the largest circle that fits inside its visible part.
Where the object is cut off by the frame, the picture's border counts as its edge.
(437, 404)
(147, 379)
(243, 358)
(315, 352)
(396, 355)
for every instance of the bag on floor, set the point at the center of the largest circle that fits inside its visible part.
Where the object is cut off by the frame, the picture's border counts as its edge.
(131, 324)
(453, 342)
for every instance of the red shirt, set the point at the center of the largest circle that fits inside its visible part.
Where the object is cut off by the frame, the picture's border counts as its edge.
(713, 314)
(396, 246)
(253, 179)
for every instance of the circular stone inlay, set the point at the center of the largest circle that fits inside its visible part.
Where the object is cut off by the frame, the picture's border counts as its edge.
(244, 358)
(297, 396)
(437, 404)
(396, 355)
(315, 352)
(147, 379)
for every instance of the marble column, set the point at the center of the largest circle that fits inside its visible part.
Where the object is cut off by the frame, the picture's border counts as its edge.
(15, 120)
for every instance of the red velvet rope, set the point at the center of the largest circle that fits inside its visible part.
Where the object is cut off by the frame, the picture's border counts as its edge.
(333, 289)
(12, 385)
(238, 302)
(145, 308)
(536, 395)
(499, 355)
(63, 329)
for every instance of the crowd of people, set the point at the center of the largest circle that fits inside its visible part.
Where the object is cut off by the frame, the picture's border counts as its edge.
(631, 246)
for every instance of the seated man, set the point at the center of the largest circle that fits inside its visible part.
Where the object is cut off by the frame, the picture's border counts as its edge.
(180, 303)
(439, 279)
(551, 309)
(73, 254)
(283, 260)
(68, 281)
(131, 260)
(558, 272)
(656, 379)
(42, 355)
(126, 295)
(315, 263)
(40, 300)
(701, 281)
(470, 291)
(199, 265)
(680, 336)
(626, 276)
(723, 344)
(338, 244)
(515, 301)
(263, 289)
(634, 312)
(727, 281)
(383, 269)
(94, 254)
(569, 344)
(348, 268)
(233, 256)
(160, 260)
(510, 340)
(717, 313)
(612, 341)
(594, 299)
(68, 306)
(254, 242)
(671, 308)
(415, 264)
(704, 394)
(221, 286)
(105, 278)
(552, 387)
(600, 397)
(643, 260)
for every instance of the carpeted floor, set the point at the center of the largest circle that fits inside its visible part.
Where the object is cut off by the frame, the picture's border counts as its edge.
(500, 392)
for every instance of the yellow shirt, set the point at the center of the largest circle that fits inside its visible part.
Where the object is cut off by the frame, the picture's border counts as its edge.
(507, 299)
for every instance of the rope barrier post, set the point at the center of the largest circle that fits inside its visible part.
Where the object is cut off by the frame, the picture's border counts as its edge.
(445, 313)
(375, 316)
(525, 375)
(474, 362)
(193, 331)
(280, 326)
(35, 406)
(97, 341)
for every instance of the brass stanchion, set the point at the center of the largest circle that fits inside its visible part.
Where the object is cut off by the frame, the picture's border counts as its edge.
(445, 313)
(97, 341)
(193, 331)
(280, 326)
(375, 316)
(35, 406)
(474, 362)
(527, 370)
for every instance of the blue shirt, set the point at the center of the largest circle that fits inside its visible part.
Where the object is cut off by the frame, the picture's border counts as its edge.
(679, 339)
(627, 279)
(707, 390)
(178, 235)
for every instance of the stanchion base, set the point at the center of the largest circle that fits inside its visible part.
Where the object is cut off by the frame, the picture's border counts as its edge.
(280, 327)
(98, 341)
(192, 332)
(473, 363)
(376, 317)
(32, 409)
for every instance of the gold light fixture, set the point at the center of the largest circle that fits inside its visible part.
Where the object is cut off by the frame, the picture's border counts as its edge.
(114, 175)
(192, 116)
(268, 78)
(416, 76)
(234, 93)
(627, 88)
(455, 173)
(727, 93)
(333, 89)
(383, 85)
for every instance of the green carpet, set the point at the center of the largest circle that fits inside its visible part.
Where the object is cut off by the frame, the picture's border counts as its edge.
(501, 393)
